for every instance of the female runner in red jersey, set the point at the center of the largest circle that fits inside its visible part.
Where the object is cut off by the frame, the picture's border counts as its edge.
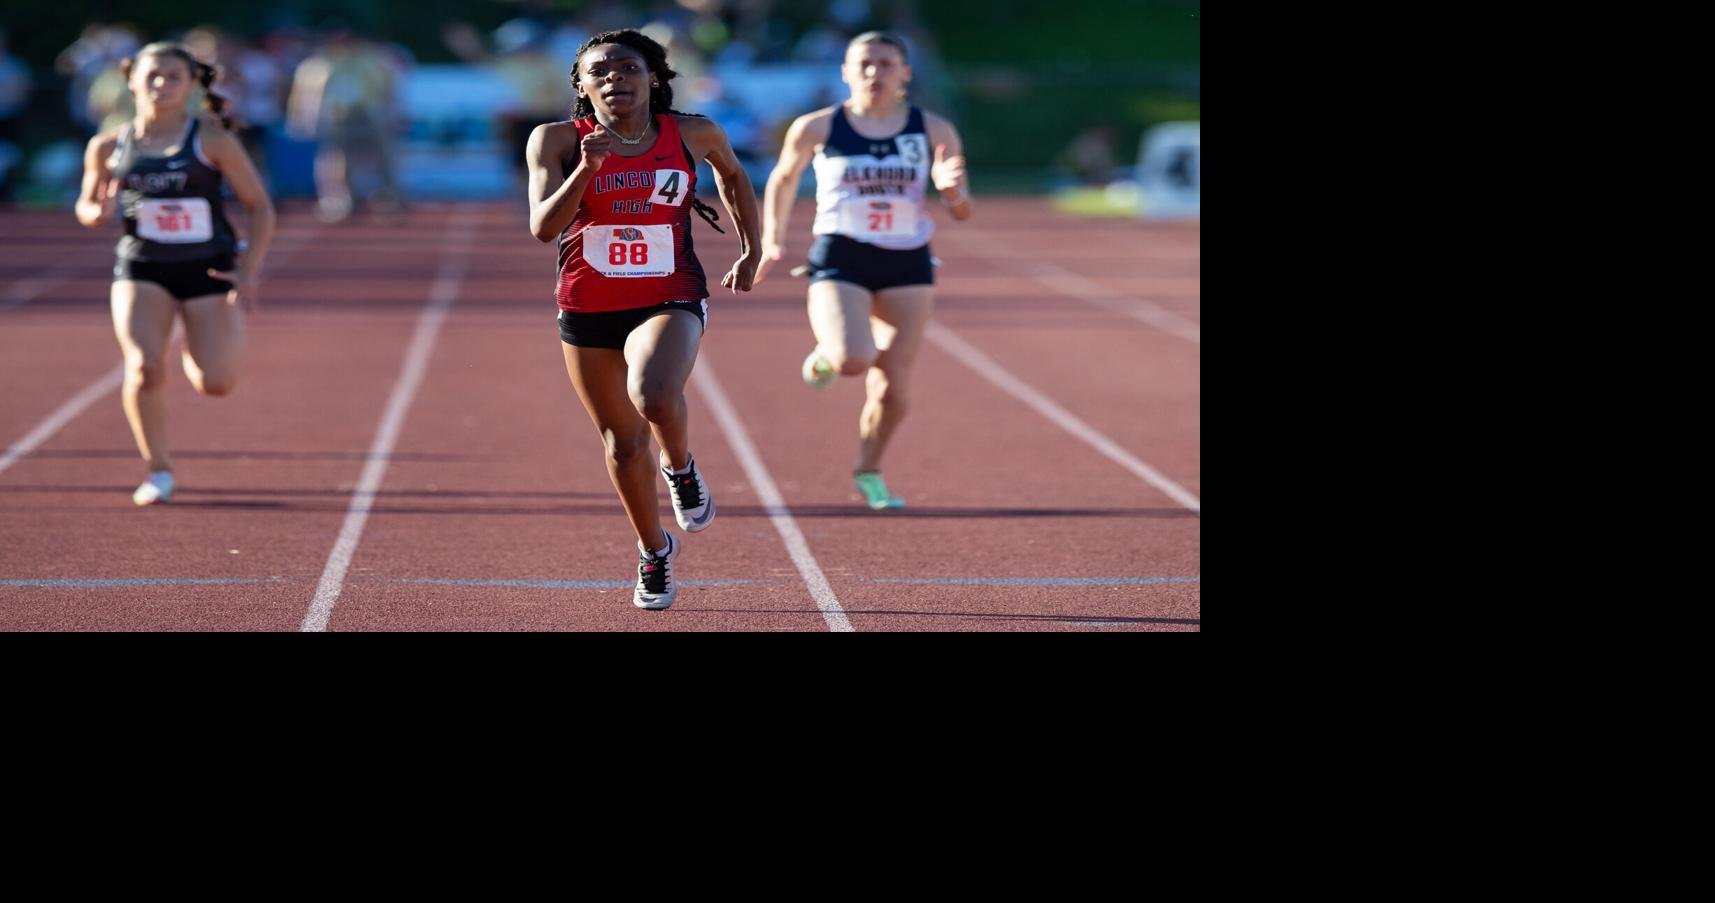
(617, 184)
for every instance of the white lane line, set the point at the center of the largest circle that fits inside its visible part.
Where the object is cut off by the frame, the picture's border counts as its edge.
(107, 383)
(30, 287)
(91, 394)
(455, 252)
(47, 279)
(1073, 285)
(760, 480)
(34, 286)
(1066, 420)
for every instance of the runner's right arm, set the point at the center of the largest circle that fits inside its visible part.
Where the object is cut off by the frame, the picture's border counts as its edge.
(797, 152)
(98, 200)
(554, 197)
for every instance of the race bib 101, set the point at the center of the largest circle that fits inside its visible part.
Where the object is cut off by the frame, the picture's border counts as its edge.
(175, 221)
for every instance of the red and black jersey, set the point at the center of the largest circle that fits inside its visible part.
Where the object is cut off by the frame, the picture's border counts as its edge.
(630, 243)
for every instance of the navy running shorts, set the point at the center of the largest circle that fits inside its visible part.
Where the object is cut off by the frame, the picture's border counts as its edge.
(861, 263)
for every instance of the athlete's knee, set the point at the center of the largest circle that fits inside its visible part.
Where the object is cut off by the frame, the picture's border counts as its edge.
(217, 385)
(659, 408)
(890, 392)
(849, 361)
(657, 401)
(624, 448)
(145, 372)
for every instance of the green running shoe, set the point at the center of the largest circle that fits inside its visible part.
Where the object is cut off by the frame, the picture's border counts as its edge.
(875, 491)
(818, 373)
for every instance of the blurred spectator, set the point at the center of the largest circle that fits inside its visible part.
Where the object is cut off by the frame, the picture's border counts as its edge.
(262, 103)
(541, 89)
(91, 68)
(822, 44)
(688, 58)
(708, 97)
(850, 15)
(597, 16)
(230, 57)
(109, 103)
(343, 97)
(1089, 159)
(15, 85)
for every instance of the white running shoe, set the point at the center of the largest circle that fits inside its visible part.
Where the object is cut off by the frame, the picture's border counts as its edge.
(817, 372)
(157, 488)
(693, 507)
(655, 584)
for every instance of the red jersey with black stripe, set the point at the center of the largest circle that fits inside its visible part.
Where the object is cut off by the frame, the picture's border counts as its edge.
(630, 244)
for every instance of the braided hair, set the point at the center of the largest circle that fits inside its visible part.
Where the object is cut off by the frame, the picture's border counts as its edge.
(204, 73)
(660, 91)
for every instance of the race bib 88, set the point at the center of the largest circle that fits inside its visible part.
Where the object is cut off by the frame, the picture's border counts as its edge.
(629, 252)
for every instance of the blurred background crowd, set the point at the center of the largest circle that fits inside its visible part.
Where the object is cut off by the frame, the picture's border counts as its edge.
(368, 104)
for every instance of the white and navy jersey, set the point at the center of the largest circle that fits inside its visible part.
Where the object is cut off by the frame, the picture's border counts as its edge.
(871, 189)
(171, 205)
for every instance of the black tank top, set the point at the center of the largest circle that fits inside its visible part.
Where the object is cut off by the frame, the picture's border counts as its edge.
(171, 205)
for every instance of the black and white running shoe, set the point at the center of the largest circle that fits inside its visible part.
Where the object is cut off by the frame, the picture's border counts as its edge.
(655, 584)
(693, 507)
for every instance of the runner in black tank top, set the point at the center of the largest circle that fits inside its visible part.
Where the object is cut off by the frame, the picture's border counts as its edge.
(173, 214)
(161, 174)
(874, 155)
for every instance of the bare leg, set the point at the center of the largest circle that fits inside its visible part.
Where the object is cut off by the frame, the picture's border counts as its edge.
(839, 317)
(659, 355)
(214, 344)
(143, 315)
(333, 187)
(599, 376)
(901, 315)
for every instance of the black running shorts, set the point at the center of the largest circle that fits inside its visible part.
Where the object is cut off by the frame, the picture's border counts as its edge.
(610, 328)
(183, 280)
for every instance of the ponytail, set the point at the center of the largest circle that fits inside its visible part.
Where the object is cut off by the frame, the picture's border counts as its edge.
(212, 102)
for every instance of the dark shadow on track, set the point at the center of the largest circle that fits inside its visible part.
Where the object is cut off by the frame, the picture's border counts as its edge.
(107, 453)
(856, 510)
(189, 498)
(980, 616)
(192, 498)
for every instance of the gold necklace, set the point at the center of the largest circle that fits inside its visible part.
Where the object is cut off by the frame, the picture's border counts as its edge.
(637, 140)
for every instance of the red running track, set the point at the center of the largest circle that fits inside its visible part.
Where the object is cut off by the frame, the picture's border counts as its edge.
(1051, 457)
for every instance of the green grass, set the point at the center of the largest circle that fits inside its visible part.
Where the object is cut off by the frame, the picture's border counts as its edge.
(1096, 202)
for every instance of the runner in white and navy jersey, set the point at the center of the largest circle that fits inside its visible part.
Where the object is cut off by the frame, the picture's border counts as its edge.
(616, 185)
(874, 156)
(161, 174)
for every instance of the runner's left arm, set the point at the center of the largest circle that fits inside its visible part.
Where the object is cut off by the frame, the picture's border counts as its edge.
(233, 161)
(736, 193)
(948, 170)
